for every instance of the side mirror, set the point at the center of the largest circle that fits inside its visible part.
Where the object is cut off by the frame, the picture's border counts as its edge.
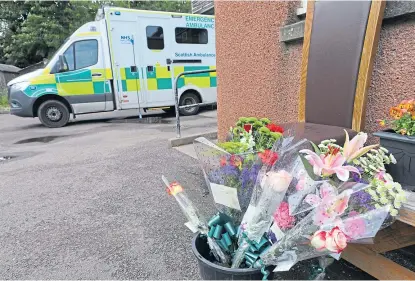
(62, 65)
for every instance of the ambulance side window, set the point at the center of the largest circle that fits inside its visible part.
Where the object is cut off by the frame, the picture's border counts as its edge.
(79, 55)
(155, 37)
(191, 35)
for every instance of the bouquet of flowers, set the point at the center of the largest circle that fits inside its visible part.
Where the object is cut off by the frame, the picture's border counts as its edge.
(231, 168)
(403, 118)
(311, 201)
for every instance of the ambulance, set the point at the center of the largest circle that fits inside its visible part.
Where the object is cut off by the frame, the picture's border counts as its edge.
(125, 59)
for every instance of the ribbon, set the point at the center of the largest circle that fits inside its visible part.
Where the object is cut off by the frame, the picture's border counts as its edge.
(222, 230)
(254, 251)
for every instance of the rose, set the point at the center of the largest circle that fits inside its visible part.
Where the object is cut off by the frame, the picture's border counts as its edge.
(333, 241)
(268, 157)
(279, 181)
(336, 240)
(318, 240)
(354, 227)
(247, 128)
(274, 128)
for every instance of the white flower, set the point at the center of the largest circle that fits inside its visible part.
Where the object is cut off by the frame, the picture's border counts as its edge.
(386, 159)
(371, 192)
(374, 151)
(394, 212)
(324, 142)
(372, 167)
(383, 200)
(392, 158)
(384, 149)
(377, 206)
(388, 177)
(356, 162)
(392, 193)
(333, 140)
(397, 204)
(363, 160)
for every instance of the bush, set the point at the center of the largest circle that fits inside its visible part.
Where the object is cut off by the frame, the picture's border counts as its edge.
(3, 98)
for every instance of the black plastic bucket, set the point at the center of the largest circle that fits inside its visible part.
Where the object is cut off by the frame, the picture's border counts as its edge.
(210, 271)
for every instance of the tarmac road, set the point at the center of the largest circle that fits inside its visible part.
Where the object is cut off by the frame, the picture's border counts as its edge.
(86, 201)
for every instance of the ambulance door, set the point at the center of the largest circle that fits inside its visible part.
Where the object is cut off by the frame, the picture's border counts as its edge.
(127, 79)
(156, 35)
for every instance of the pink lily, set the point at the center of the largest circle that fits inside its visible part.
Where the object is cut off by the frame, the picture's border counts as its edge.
(354, 148)
(328, 164)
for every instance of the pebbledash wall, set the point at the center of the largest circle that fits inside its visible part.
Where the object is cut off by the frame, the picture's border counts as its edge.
(259, 75)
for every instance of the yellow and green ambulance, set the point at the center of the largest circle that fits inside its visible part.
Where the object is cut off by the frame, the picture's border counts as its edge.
(125, 59)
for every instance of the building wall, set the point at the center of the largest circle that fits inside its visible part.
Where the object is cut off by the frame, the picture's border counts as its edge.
(259, 76)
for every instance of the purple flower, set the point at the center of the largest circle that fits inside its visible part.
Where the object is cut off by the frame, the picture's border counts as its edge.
(249, 175)
(362, 198)
(272, 237)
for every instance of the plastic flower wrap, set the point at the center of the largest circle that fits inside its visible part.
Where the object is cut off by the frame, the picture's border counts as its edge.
(230, 177)
(272, 184)
(326, 230)
(196, 221)
(364, 164)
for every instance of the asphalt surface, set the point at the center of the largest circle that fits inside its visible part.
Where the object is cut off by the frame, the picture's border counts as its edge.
(87, 202)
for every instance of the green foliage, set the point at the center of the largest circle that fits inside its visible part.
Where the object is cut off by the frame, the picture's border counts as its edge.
(233, 147)
(405, 125)
(263, 137)
(3, 98)
(33, 30)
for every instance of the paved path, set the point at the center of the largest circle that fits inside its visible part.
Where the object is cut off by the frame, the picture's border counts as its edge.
(90, 204)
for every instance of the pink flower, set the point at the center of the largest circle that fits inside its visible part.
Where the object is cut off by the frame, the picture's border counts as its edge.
(282, 216)
(318, 240)
(301, 180)
(326, 189)
(354, 226)
(354, 148)
(336, 240)
(328, 164)
(331, 207)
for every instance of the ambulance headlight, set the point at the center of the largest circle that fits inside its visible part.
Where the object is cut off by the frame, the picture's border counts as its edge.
(20, 86)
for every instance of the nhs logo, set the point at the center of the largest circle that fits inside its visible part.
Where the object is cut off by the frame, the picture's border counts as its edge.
(126, 39)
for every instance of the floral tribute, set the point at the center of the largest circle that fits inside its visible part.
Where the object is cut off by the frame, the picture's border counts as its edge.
(402, 118)
(236, 163)
(287, 201)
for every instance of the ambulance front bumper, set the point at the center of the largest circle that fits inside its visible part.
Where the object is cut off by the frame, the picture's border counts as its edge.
(20, 104)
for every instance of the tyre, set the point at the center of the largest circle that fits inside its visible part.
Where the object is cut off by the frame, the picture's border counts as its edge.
(53, 114)
(187, 99)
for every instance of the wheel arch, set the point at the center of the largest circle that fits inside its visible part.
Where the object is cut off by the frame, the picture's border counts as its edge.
(44, 98)
(192, 90)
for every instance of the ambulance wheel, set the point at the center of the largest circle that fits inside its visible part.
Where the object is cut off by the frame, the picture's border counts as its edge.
(53, 114)
(187, 99)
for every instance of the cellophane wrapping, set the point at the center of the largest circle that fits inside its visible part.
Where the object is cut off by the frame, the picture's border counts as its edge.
(230, 177)
(326, 230)
(196, 221)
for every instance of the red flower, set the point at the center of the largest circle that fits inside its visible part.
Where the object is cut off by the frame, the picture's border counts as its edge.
(235, 161)
(268, 157)
(223, 161)
(274, 128)
(247, 127)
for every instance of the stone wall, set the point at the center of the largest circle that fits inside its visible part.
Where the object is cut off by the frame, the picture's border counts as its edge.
(259, 76)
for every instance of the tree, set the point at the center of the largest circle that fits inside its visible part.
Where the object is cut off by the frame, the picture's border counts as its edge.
(33, 30)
